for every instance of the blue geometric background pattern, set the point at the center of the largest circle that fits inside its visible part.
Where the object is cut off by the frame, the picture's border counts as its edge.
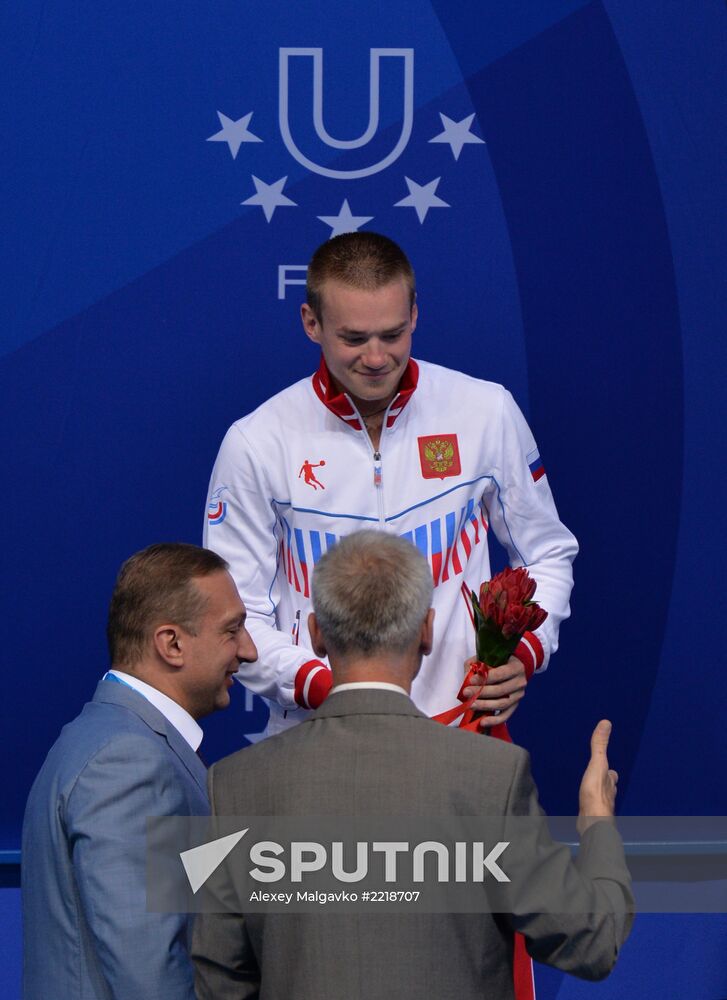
(555, 170)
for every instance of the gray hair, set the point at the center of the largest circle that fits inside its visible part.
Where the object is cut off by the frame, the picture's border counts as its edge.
(371, 591)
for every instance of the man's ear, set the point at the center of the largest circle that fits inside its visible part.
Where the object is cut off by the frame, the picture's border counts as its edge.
(427, 634)
(310, 323)
(414, 316)
(316, 636)
(168, 643)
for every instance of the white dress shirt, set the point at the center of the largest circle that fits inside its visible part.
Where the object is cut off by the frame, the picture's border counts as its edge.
(377, 685)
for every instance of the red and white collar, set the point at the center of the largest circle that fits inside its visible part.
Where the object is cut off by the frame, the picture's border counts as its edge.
(340, 403)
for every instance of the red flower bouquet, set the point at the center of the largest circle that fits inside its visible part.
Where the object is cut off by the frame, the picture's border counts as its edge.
(504, 612)
(504, 618)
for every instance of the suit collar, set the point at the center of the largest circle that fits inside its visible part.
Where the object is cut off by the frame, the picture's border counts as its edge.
(111, 693)
(179, 717)
(366, 701)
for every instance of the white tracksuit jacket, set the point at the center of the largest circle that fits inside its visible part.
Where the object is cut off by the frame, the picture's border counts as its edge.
(456, 459)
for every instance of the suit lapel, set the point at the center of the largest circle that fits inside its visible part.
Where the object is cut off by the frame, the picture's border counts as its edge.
(127, 697)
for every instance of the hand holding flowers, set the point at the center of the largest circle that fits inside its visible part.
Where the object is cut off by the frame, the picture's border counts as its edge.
(504, 612)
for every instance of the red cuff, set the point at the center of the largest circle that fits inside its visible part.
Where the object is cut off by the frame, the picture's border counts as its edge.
(530, 652)
(312, 684)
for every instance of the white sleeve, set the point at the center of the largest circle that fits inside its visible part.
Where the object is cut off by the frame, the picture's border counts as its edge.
(242, 526)
(525, 521)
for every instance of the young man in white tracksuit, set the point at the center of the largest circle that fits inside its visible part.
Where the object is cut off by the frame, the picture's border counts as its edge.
(376, 439)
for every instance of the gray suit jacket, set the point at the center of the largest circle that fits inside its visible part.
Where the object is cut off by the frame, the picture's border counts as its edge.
(372, 752)
(87, 935)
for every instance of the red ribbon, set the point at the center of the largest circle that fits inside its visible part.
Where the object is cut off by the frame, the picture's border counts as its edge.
(471, 718)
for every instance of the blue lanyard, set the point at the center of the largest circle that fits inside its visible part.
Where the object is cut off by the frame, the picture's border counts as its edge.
(117, 680)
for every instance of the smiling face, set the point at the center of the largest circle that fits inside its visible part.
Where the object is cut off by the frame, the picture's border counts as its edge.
(365, 337)
(212, 656)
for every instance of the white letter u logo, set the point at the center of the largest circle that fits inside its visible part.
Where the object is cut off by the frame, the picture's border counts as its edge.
(376, 56)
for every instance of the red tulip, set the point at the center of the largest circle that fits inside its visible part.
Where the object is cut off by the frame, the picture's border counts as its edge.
(504, 612)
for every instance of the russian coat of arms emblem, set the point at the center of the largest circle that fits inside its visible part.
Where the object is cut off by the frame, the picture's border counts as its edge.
(439, 456)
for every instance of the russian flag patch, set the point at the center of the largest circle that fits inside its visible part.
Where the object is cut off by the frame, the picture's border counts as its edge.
(535, 464)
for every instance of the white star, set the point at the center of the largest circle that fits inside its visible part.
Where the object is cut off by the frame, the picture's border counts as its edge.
(234, 133)
(344, 222)
(268, 196)
(457, 134)
(422, 197)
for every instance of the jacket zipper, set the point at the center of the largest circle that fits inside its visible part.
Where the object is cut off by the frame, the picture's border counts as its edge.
(379, 486)
(378, 464)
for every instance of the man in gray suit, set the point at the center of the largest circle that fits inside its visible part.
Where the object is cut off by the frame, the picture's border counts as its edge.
(369, 750)
(177, 635)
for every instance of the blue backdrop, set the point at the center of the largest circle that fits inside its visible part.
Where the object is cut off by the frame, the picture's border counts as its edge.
(555, 170)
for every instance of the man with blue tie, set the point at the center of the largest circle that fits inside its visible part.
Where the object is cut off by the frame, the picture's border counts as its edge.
(177, 635)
